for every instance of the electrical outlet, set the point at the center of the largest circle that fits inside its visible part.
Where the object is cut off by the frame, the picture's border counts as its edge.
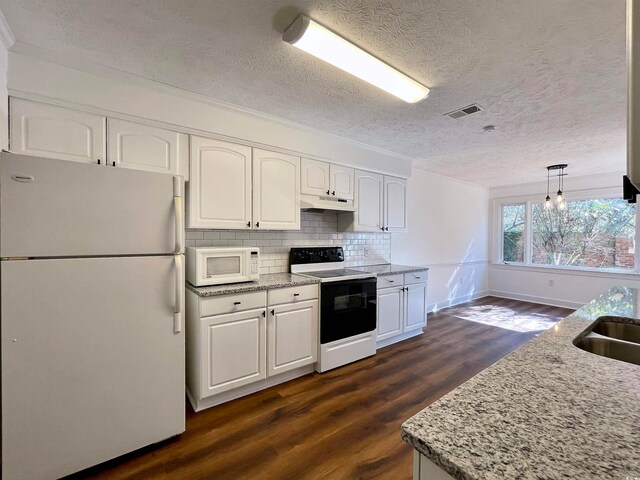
(550, 283)
(366, 252)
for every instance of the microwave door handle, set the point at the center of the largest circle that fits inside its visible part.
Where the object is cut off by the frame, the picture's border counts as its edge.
(177, 206)
(178, 306)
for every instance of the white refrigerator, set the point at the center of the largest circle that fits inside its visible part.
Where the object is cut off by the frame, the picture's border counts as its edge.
(92, 294)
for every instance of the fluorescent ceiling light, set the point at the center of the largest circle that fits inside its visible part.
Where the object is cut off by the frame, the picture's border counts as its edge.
(313, 38)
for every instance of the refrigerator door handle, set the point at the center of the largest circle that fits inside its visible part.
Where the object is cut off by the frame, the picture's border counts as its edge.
(177, 204)
(177, 311)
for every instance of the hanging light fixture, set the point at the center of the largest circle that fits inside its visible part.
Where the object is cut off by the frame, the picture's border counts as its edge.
(561, 202)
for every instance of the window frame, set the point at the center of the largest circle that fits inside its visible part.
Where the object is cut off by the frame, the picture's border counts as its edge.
(529, 201)
(501, 231)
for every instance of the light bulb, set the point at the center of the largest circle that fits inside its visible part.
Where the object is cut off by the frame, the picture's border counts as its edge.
(547, 202)
(562, 204)
(559, 198)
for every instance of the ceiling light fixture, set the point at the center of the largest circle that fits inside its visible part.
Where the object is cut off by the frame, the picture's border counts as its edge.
(315, 39)
(561, 202)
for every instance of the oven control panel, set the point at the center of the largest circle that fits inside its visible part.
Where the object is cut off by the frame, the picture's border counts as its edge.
(299, 256)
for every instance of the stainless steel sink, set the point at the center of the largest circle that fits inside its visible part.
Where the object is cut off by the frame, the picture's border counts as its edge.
(609, 327)
(610, 348)
(613, 337)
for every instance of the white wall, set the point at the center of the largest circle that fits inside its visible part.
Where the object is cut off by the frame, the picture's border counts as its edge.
(570, 288)
(4, 101)
(113, 91)
(448, 232)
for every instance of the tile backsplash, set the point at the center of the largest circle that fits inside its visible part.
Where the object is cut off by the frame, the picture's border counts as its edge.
(318, 230)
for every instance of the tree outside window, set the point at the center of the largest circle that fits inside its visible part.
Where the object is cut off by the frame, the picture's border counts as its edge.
(597, 233)
(513, 223)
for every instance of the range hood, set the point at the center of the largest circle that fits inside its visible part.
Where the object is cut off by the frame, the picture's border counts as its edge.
(631, 183)
(324, 203)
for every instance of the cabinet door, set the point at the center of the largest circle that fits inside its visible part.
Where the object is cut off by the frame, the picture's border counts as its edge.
(314, 177)
(395, 204)
(390, 312)
(219, 192)
(368, 201)
(233, 351)
(341, 181)
(292, 335)
(416, 306)
(144, 147)
(276, 191)
(55, 132)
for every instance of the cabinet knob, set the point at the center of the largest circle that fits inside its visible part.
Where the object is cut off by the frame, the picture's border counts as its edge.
(248, 224)
(386, 229)
(333, 193)
(98, 161)
(264, 313)
(273, 312)
(113, 164)
(382, 228)
(327, 192)
(296, 294)
(391, 281)
(237, 303)
(257, 224)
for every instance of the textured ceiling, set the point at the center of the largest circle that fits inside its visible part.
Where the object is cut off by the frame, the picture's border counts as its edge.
(550, 73)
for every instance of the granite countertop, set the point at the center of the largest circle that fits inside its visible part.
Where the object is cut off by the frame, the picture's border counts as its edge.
(271, 280)
(389, 269)
(548, 410)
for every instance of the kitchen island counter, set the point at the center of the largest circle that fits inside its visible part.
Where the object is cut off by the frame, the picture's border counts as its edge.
(548, 410)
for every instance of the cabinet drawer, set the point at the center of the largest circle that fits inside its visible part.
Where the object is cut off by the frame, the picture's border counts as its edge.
(390, 281)
(415, 277)
(232, 303)
(292, 294)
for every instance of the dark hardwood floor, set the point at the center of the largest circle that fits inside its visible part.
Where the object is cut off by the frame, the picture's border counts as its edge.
(343, 424)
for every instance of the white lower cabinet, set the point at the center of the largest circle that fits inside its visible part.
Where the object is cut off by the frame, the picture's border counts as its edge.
(240, 343)
(293, 340)
(233, 347)
(402, 306)
(390, 312)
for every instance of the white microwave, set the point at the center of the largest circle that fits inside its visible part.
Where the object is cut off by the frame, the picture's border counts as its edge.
(220, 265)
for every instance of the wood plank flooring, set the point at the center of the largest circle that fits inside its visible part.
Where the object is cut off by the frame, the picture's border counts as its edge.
(343, 424)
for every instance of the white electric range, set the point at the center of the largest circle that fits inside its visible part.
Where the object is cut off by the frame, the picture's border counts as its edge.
(347, 305)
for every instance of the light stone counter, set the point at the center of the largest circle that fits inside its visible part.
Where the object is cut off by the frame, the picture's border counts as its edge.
(271, 280)
(549, 410)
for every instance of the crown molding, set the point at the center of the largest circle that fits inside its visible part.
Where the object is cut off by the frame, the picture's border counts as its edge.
(7, 37)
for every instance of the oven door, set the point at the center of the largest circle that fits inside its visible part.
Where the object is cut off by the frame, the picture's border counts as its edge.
(348, 308)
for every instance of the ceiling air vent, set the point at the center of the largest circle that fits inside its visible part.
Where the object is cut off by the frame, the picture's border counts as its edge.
(463, 112)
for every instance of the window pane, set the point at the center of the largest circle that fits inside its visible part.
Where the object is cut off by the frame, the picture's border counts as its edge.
(513, 233)
(588, 233)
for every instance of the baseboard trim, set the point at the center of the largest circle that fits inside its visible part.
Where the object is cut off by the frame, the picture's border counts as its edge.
(554, 302)
(404, 336)
(456, 301)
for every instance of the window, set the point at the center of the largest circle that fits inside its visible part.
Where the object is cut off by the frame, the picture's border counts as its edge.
(597, 233)
(589, 233)
(513, 223)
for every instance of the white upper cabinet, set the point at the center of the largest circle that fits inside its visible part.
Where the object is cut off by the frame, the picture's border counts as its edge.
(395, 204)
(369, 199)
(341, 181)
(219, 193)
(145, 147)
(48, 131)
(276, 191)
(314, 177)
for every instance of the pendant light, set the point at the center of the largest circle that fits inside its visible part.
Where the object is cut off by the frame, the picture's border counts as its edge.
(547, 201)
(561, 202)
